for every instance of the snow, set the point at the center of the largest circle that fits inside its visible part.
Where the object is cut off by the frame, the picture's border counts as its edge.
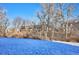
(15, 46)
(70, 43)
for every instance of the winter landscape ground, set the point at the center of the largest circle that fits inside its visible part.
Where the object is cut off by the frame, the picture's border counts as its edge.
(39, 29)
(16, 46)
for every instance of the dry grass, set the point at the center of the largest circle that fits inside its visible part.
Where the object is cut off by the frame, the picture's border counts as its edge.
(59, 36)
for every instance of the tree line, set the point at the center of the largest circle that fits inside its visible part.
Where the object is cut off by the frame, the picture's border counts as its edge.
(56, 23)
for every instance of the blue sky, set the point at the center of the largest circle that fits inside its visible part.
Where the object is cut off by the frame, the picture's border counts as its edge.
(26, 10)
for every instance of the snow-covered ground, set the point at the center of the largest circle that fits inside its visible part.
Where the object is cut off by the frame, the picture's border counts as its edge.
(70, 43)
(13, 46)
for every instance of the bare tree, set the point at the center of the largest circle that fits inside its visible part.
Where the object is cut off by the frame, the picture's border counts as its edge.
(18, 22)
(3, 21)
(60, 18)
(70, 9)
(46, 16)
